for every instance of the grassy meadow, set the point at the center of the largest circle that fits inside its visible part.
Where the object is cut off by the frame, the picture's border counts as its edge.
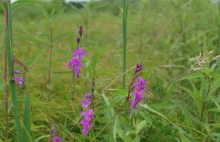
(176, 41)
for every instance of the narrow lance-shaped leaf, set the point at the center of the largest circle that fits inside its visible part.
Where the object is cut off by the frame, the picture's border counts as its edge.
(26, 118)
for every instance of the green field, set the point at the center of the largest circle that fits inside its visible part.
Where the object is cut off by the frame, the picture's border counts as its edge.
(176, 41)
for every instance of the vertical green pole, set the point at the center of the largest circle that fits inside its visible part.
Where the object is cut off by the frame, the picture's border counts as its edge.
(125, 15)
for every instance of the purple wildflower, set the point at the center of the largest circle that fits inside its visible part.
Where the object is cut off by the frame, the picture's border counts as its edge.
(139, 68)
(88, 113)
(80, 31)
(54, 138)
(138, 91)
(87, 121)
(137, 88)
(78, 39)
(140, 84)
(54, 130)
(75, 63)
(16, 72)
(86, 101)
(19, 80)
(57, 139)
(78, 56)
(80, 53)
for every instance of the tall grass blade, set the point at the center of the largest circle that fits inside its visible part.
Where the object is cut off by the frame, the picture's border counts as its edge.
(9, 56)
(26, 118)
(125, 15)
(15, 104)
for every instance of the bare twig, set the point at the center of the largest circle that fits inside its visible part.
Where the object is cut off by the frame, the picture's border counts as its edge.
(117, 77)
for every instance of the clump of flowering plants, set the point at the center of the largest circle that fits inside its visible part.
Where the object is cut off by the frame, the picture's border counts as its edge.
(136, 90)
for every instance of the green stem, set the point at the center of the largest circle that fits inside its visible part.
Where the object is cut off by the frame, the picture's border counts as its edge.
(73, 83)
(204, 103)
(50, 57)
(125, 14)
(8, 37)
(6, 96)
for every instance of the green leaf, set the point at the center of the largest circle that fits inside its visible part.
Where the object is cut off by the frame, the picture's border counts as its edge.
(185, 111)
(114, 129)
(2, 7)
(214, 86)
(120, 133)
(194, 75)
(39, 139)
(27, 119)
(197, 97)
(148, 108)
(195, 94)
(124, 23)
(184, 139)
(215, 100)
(114, 101)
(111, 111)
(214, 75)
(124, 136)
(217, 110)
(140, 126)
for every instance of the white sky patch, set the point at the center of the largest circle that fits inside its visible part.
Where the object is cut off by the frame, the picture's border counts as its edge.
(13, 1)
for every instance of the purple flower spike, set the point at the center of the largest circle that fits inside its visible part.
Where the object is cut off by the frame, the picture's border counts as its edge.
(138, 92)
(78, 39)
(78, 56)
(87, 95)
(139, 68)
(86, 101)
(16, 72)
(80, 31)
(89, 114)
(87, 121)
(76, 62)
(54, 130)
(140, 84)
(80, 53)
(57, 139)
(19, 80)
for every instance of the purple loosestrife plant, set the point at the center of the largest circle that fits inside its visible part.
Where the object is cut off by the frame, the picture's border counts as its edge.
(88, 110)
(54, 138)
(18, 79)
(87, 121)
(57, 139)
(78, 56)
(137, 88)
